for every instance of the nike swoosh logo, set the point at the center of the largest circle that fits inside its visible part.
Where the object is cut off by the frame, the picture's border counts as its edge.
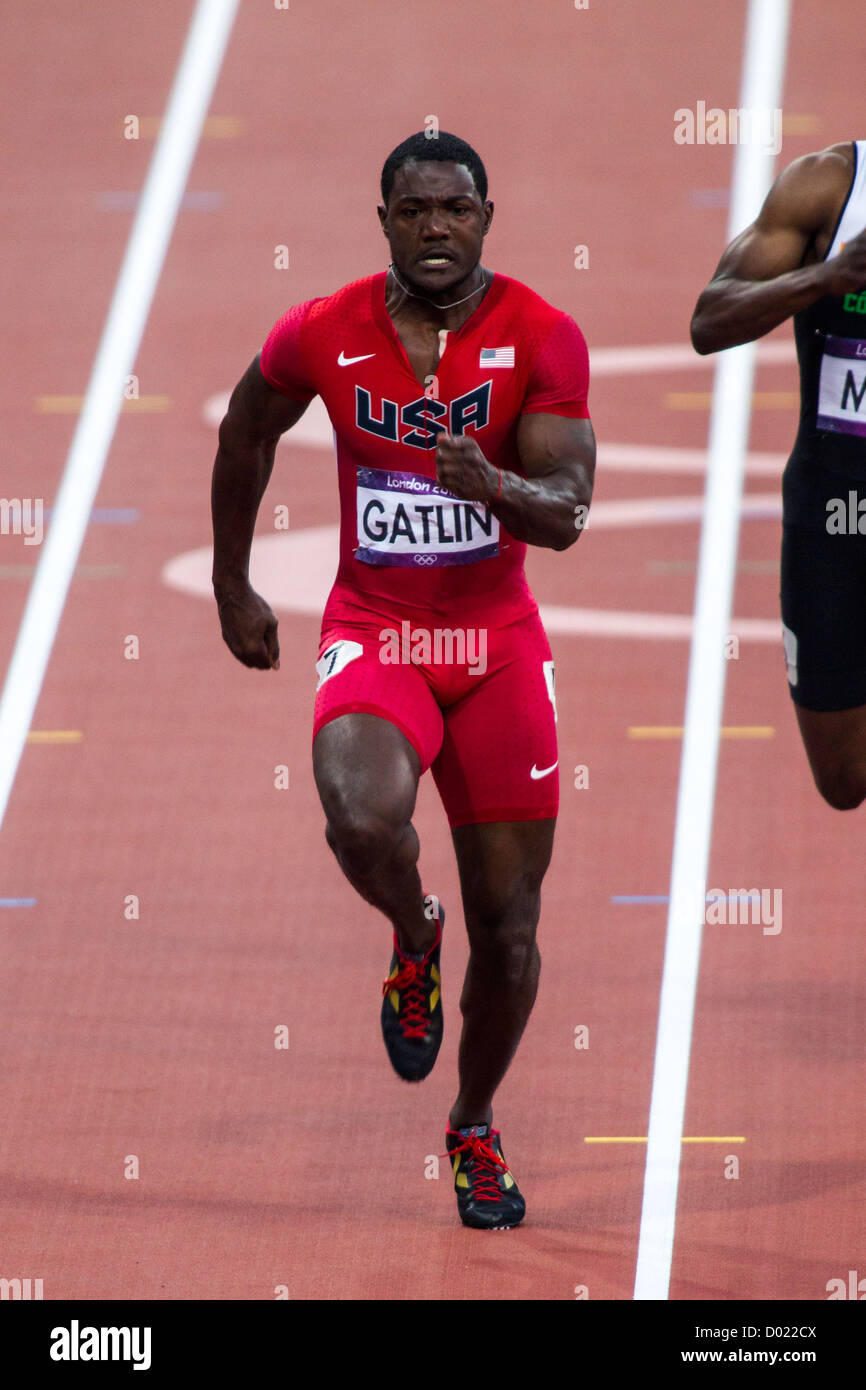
(545, 772)
(347, 361)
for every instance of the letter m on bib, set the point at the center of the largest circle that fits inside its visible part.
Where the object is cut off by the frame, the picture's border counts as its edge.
(842, 386)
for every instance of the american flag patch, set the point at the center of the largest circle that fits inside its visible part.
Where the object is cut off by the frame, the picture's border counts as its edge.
(496, 357)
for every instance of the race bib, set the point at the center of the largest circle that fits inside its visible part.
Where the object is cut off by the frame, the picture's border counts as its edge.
(842, 386)
(407, 519)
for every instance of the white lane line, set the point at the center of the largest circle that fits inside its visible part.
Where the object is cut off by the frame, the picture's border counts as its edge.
(151, 233)
(763, 68)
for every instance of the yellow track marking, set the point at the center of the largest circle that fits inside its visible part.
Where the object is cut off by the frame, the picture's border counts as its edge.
(71, 405)
(702, 400)
(55, 736)
(687, 1139)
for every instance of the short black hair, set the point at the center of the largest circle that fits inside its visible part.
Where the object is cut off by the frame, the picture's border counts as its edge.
(447, 149)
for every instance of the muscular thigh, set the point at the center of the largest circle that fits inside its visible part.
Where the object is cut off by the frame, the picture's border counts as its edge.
(376, 728)
(364, 764)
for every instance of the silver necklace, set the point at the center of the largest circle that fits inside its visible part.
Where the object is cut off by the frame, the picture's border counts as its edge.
(427, 300)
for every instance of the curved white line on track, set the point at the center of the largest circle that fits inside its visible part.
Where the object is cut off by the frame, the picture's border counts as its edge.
(295, 572)
(314, 431)
(666, 511)
(612, 361)
(661, 458)
(672, 357)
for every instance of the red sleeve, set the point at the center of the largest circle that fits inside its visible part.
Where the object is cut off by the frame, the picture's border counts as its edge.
(559, 378)
(282, 361)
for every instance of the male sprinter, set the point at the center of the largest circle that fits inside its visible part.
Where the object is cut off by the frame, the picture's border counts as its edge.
(459, 404)
(805, 256)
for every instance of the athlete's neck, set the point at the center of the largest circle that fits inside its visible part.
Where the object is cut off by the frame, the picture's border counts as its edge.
(404, 300)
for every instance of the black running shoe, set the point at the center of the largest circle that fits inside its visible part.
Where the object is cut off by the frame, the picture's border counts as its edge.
(412, 1009)
(487, 1195)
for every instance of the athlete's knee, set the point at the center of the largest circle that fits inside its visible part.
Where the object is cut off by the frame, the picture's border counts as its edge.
(502, 937)
(843, 788)
(361, 838)
(510, 905)
(509, 958)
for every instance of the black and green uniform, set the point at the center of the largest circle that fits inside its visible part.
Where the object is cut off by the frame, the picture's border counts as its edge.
(823, 585)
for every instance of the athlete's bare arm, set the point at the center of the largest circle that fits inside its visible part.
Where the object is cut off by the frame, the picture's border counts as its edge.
(775, 267)
(558, 457)
(257, 415)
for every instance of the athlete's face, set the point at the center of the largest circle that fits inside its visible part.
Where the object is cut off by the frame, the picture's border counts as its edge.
(435, 223)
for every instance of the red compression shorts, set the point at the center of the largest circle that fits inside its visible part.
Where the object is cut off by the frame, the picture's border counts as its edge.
(485, 723)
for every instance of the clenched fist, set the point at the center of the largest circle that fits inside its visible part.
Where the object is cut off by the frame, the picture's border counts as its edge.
(249, 627)
(463, 470)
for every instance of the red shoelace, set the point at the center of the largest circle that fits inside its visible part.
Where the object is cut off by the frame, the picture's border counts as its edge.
(409, 982)
(488, 1166)
(413, 1016)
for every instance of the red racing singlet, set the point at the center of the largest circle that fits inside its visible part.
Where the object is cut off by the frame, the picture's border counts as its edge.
(407, 544)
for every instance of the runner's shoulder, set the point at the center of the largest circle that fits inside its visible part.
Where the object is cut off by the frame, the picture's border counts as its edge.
(520, 299)
(349, 300)
(532, 316)
(310, 324)
(812, 188)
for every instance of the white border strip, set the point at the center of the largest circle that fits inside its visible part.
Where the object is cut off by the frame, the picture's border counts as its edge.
(763, 70)
(190, 98)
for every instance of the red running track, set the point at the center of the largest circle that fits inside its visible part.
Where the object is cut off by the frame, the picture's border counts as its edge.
(154, 1037)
